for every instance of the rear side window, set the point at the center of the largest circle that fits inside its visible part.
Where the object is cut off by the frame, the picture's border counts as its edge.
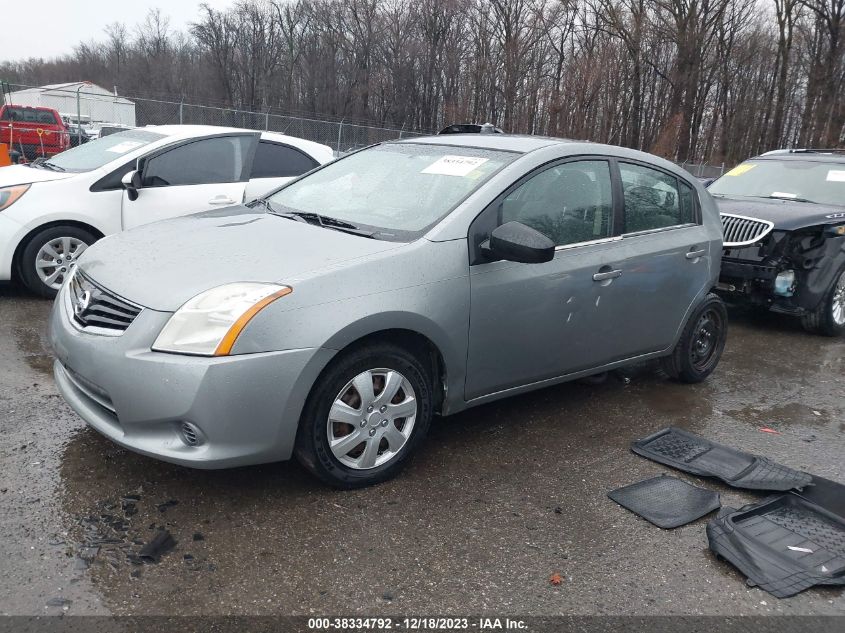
(568, 203)
(273, 160)
(212, 160)
(30, 115)
(654, 199)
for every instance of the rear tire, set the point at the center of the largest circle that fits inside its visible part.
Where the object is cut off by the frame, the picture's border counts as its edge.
(383, 429)
(701, 344)
(828, 319)
(48, 255)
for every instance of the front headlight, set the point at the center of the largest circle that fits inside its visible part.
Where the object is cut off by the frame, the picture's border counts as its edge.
(209, 324)
(10, 195)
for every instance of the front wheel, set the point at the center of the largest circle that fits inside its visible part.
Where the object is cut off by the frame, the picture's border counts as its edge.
(365, 416)
(701, 344)
(829, 318)
(48, 256)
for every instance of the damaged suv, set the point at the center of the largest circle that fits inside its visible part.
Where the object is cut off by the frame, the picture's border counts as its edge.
(783, 218)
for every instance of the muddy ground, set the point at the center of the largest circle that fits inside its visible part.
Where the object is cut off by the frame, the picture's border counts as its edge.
(501, 498)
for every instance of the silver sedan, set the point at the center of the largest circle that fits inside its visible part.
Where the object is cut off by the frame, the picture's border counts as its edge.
(334, 318)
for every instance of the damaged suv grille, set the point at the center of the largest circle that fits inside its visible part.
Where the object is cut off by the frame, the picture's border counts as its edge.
(739, 230)
(97, 307)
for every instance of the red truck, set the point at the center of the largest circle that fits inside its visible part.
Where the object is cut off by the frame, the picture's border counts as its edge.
(33, 131)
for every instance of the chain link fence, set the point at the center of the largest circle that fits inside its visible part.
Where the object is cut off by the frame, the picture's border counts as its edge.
(704, 171)
(96, 111)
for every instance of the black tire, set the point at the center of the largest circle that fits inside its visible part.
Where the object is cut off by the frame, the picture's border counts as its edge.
(26, 264)
(821, 320)
(312, 441)
(701, 344)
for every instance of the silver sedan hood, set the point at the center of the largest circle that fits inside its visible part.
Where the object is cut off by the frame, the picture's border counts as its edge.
(162, 265)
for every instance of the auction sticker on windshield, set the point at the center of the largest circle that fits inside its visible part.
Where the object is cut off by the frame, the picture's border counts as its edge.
(454, 165)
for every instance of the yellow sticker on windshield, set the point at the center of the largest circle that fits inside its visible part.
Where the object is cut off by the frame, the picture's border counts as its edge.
(741, 169)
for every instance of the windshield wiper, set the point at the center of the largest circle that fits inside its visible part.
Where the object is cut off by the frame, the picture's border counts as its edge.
(322, 220)
(50, 166)
(790, 198)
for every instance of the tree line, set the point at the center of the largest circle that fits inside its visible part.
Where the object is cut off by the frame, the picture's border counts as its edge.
(693, 80)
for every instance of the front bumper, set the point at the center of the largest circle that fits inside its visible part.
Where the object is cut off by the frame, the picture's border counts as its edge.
(246, 407)
(10, 235)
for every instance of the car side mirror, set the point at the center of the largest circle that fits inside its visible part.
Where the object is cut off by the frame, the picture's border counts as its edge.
(131, 181)
(516, 242)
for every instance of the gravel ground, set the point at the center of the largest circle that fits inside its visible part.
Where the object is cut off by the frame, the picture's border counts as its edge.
(500, 498)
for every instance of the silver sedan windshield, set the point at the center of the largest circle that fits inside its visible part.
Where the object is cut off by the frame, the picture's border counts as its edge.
(395, 189)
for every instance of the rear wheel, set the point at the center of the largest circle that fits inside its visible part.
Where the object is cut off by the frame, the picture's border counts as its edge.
(701, 344)
(365, 416)
(829, 318)
(48, 255)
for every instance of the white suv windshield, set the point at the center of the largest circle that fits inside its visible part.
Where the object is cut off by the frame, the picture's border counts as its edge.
(800, 180)
(104, 150)
(396, 190)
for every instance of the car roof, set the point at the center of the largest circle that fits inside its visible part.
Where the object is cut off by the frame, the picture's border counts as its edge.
(813, 155)
(194, 131)
(506, 142)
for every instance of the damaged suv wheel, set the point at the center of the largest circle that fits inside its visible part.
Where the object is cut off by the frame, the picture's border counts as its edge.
(701, 344)
(829, 318)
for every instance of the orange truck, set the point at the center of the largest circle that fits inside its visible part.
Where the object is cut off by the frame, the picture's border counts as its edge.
(34, 132)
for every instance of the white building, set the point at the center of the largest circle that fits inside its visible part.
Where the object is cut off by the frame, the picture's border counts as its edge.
(96, 105)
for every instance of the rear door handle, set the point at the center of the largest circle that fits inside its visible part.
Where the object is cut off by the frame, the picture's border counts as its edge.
(696, 254)
(610, 274)
(221, 200)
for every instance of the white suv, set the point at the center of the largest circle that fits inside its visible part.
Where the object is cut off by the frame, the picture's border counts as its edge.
(53, 210)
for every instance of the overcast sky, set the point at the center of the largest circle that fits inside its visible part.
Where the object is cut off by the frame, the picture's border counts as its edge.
(54, 27)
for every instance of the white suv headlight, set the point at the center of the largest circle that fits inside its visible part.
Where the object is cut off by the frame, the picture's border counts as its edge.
(209, 324)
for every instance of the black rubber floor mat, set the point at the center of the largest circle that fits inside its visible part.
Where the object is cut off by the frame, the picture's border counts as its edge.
(784, 545)
(667, 502)
(694, 454)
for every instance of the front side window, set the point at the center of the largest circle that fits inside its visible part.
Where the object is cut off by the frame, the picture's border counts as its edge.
(273, 160)
(207, 161)
(654, 199)
(396, 190)
(568, 203)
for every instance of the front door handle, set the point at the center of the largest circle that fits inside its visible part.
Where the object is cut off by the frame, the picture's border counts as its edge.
(221, 200)
(696, 254)
(610, 274)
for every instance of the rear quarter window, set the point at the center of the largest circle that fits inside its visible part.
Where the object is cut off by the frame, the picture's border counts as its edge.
(273, 160)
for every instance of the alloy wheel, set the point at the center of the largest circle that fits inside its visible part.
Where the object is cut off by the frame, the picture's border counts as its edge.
(838, 302)
(54, 259)
(371, 419)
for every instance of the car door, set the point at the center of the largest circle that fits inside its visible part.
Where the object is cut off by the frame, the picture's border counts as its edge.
(274, 165)
(197, 175)
(663, 260)
(531, 322)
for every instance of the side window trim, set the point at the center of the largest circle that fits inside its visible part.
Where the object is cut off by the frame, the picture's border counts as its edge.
(697, 220)
(478, 232)
(246, 168)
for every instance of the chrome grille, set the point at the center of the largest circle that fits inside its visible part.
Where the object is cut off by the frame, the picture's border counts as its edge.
(94, 306)
(739, 230)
